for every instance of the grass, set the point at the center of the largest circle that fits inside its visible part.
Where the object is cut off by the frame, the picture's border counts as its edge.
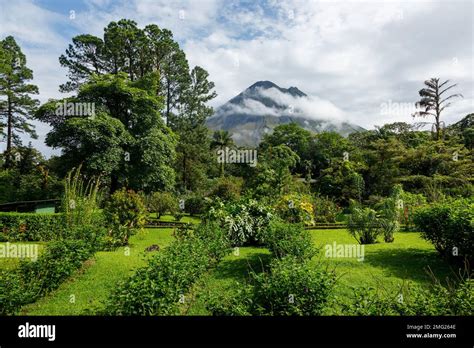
(385, 265)
(92, 284)
(186, 218)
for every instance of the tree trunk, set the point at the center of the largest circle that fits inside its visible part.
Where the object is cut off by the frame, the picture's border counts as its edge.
(184, 171)
(8, 152)
(113, 183)
(168, 100)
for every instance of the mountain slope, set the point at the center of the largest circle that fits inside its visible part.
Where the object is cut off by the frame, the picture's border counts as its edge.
(263, 106)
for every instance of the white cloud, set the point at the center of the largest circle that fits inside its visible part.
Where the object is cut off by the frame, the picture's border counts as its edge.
(349, 56)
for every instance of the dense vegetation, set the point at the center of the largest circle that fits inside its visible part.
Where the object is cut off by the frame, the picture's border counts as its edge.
(134, 149)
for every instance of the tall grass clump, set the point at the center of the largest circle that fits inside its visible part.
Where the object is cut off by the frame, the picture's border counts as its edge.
(80, 202)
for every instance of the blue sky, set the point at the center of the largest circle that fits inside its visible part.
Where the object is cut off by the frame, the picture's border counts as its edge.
(352, 57)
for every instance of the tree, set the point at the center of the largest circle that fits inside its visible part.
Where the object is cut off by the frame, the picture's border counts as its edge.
(126, 140)
(220, 140)
(298, 139)
(137, 52)
(433, 101)
(273, 172)
(193, 155)
(16, 105)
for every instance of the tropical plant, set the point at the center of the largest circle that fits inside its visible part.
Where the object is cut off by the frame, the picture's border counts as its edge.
(364, 225)
(433, 102)
(220, 140)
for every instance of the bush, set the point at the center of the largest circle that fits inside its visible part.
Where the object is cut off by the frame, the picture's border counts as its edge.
(196, 205)
(413, 300)
(125, 212)
(363, 225)
(450, 227)
(162, 203)
(290, 287)
(285, 239)
(31, 227)
(236, 300)
(388, 218)
(33, 279)
(158, 288)
(244, 221)
(325, 209)
(227, 189)
(295, 208)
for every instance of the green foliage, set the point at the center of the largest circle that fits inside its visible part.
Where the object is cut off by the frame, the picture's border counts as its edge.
(290, 287)
(450, 227)
(295, 208)
(411, 202)
(236, 301)
(325, 209)
(34, 279)
(196, 204)
(32, 227)
(126, 140)
(288, 239)
(389, 212)
(273, 172)
(244, 221)
(16, 104)
(160, 287)
(364, 225)
(413, 300)
(125, 212)
(227, 189)
(80, 199)
(162, 203)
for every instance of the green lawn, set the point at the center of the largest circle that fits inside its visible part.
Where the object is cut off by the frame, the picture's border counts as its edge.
(91, 285)
(169, 218)
(385, 265)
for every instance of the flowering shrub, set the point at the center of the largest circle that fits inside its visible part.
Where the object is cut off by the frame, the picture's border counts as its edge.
(296, 208)
(244, 221)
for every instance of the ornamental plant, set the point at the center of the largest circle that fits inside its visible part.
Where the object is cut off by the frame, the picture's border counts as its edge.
(296, 208)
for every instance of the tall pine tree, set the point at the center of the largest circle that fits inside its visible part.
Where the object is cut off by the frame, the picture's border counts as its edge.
(16, 104)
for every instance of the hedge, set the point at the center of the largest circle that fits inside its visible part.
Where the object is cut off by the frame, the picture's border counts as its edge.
(15, 227)
(20, 227)
(34, 279)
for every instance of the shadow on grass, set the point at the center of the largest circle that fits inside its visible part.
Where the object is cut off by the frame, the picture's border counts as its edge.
(411, 264)
(238, 268)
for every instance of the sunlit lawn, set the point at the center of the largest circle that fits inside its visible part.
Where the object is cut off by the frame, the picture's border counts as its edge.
(91, 285)
(385, 265)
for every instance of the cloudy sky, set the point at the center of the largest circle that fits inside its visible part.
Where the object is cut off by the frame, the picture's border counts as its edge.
(364, 59)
